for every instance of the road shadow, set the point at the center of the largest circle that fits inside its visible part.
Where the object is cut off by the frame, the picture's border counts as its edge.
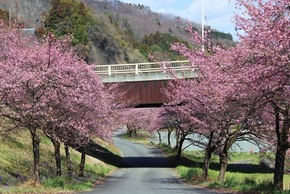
(237, 167)
(146, 162)
(101, 153)
(160, 161)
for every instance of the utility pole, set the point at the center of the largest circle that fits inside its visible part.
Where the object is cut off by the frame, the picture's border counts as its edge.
(10, 15)
(202, 24)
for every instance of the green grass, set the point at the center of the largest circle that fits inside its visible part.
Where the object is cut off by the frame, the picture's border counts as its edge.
(68, 184)
(16, 167)
(143, 137)
(234, 181)
(235, 157)
(251, 158)
(239, 178)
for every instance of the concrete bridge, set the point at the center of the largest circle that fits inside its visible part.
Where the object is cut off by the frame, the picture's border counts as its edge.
(145, 82)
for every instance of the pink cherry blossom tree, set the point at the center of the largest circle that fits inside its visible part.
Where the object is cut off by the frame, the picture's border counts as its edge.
(136, 119)
(241, 85)
(164, 119)
(212, 102)
(44, 86)
(265, 42)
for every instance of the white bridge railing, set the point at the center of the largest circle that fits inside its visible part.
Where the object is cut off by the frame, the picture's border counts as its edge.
(137, 68)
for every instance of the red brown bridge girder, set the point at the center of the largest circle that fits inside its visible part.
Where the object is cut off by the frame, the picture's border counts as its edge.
(145, 93)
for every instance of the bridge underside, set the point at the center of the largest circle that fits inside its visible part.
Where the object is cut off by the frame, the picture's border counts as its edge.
(144, 83)
(146, 93)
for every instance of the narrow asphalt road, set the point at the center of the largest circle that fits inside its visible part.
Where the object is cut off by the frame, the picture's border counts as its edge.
(145, 171)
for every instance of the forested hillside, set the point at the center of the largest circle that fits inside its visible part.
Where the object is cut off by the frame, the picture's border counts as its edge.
(107, 31)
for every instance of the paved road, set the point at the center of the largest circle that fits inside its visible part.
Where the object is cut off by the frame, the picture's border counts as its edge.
(145, 171)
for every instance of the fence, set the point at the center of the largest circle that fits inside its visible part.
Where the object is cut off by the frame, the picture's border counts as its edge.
(137, 68)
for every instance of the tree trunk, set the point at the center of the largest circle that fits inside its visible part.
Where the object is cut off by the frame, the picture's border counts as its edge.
(223, 166)
(82, 164)
(168, 137)
(279, 167)
(180, 147)
(177, 140)
(207, 157)
(57, 156)
(68, 161)
(159, 137)
(224, 155)
(129, 133)
(282, 146)
(36, 154)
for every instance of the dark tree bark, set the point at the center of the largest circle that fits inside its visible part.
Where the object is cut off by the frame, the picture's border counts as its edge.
(282, 146)
(131, 131)
(207, 157)
(223, 165)
(36, 154)
(207, 160)
(279, 167)
(177, 139)
(68, 161)
(180, 146)
(57, 156)
(159, 137)
(82, 164)
(224, 154)
(168, 137)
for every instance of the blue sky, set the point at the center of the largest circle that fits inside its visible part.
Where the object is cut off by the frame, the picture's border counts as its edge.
(219, 13)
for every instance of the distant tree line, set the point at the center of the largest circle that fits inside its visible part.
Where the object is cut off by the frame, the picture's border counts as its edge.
(159, 44)
(221, 35)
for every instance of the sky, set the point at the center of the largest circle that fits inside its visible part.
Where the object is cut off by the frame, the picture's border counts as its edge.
(218, 13)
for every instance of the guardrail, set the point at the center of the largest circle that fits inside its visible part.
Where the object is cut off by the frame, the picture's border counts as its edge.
(137, 68)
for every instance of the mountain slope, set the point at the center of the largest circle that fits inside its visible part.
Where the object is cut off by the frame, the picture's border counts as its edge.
(119, 31)
(142, 21)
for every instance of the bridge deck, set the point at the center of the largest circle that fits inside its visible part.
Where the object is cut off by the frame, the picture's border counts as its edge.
(144, 83)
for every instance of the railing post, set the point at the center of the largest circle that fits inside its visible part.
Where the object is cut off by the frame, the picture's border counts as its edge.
(148, 67)
(164, 67)
(109, 70)
(136, 68)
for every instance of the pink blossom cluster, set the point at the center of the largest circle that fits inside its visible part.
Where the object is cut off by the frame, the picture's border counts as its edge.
(44, 85)
(243, 92)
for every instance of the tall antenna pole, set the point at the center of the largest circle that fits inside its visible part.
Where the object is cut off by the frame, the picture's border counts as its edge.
(10, 15)
(202, 24)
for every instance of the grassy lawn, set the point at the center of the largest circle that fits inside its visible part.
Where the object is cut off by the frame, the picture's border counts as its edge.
(242, 182)
(16, 167)
(240, 178)
(142, 137)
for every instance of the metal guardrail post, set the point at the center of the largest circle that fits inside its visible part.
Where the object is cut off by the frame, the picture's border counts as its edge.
(109, 70)
(143, 67)
(136, 68)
